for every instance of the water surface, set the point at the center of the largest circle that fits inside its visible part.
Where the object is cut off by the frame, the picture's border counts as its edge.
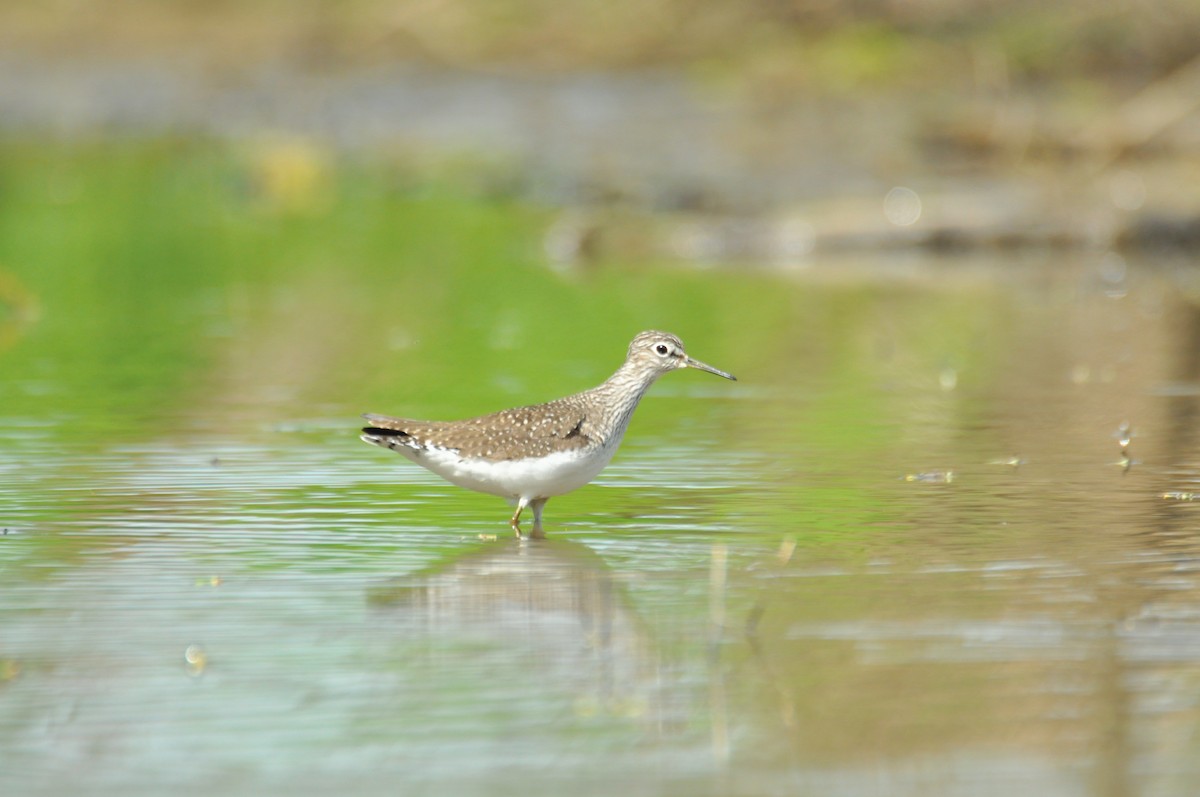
(903, 555)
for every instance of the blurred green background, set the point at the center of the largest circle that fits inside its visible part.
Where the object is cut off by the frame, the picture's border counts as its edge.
(947, 247)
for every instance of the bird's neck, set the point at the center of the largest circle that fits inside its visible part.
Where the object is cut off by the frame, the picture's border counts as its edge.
(620, 395)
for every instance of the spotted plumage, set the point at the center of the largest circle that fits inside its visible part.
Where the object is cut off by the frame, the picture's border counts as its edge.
(533, 431)
(531, 454)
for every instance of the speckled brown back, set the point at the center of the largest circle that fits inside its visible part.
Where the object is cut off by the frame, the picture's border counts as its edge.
(517, 433)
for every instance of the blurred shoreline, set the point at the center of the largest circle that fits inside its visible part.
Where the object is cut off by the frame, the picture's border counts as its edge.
(725, 158)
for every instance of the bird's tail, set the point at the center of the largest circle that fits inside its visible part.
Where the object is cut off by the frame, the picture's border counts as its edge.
(385, 431)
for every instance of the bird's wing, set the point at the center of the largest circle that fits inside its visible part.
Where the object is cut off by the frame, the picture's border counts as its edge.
(509, 434)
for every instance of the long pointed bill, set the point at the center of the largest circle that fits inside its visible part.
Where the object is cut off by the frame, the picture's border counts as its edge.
(693, 363)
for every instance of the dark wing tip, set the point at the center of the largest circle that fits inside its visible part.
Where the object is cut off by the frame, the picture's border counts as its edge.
(377, 431)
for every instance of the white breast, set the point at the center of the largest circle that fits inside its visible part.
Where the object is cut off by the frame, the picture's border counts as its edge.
(541, 477)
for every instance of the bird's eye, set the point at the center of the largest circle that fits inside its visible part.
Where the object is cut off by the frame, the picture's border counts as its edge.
(662, 349)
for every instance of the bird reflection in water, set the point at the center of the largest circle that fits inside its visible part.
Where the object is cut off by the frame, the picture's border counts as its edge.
(554, 603)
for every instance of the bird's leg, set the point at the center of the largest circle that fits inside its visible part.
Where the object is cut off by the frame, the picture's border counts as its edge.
(515, 522)
(537, 504)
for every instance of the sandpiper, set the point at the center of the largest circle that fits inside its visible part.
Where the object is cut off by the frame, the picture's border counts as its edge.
(530, 454)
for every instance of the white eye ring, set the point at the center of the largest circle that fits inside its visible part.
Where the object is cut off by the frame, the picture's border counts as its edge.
(662, 349)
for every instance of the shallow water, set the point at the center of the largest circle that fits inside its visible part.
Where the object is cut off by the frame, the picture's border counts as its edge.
(903, 555)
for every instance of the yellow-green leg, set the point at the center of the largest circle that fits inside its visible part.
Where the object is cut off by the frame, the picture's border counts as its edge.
(537, 505)
(515, 522)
